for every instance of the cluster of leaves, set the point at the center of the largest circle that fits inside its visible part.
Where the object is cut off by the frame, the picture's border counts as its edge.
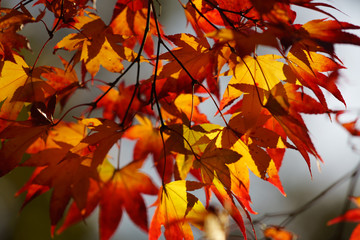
(261, 106)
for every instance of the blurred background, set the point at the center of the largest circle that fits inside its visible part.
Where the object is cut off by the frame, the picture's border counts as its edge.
(331, 141)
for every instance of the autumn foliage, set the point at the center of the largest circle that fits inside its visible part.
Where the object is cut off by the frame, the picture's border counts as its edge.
(260, 99)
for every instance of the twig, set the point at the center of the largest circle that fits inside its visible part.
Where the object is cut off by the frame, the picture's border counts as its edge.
(292, 214)
(354, 178)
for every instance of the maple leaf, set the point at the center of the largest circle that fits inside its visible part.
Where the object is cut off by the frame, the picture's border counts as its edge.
(314, 6)
(69, 166)
(293, 125)
(316, 35)
(175, 207)
(60, 139)
(262, 71)
(255, 141)
(19, 137)
(74, 215)
(226, 199)
(231, 17)
(32, 190)
(65, 11)
(68, 174)
(118, 189)
(64, 82)
(350, 126)
(124, 191)
(200, 60)
(149, 141)
(104, 135)
(129, 20)
(274, 11)
(11, 22)
(244, 43)
(189, 141)
(96, 45)
(326, 33)
(70, 133)
(19, 84)
(183, 104)
(213, 164)
(278, 233)
(352, 215)
(198, 22)
(116, 102)
(309, 68)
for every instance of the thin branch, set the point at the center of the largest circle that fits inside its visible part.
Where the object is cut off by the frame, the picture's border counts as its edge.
(118, 155)
(69, 110)
(354, 178)
(137, 59)
(202, 15)
(194, 81)
(292, 214)
(153, 87)
(133, 95)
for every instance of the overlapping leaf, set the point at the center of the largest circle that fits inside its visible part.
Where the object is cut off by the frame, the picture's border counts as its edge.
(96, 45)
(117, 190)
(19, 84)
(11, 21)
(183, 104)
(63, 81)
(175, 209)
(71, 161)
(72, 8)
(20, 137)
(149, 139)
(264, 100)
(197, 57)
(130, 20)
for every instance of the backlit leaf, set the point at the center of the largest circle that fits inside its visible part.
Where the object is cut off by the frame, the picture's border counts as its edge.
(96, 45)
(175, 208)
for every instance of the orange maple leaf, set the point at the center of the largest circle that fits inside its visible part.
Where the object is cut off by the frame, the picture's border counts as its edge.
(198, 22)
(19, 136)
(175, 107)
(129, 20)
(293, 125)
(19, 84)
(149, 141)
(11, 21)
(96, 45)
(63, 81)
(116, 102)
(118, 189)
(278, 233)
(175, 208)
(200, 60)
(312, 70)
(71, 161)
(213, 164)
(65, 11)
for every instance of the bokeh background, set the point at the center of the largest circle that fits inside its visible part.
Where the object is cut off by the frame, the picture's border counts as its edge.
(331, 141)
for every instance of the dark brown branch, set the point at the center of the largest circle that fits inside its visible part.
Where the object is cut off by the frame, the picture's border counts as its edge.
(292, 214)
